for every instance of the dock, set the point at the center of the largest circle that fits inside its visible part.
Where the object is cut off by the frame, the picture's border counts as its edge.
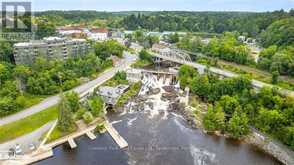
(91, 135)
(115, 135)
(72, 143)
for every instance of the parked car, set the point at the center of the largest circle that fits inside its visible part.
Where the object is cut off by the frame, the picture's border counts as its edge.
(18, 150)
(32, 146)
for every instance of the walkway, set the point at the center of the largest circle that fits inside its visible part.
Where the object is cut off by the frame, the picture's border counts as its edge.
(82, 90)
(115, 135)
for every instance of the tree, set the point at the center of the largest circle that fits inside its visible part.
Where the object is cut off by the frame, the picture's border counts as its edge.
(270, 121)
(186, 75)
(200, 85)
(145, 56)
(150, 40)
(214, 119)
(229, 104)
(3, 73)
(6, 51)
(88, 117)
(96, 106)
(279, 33)
(45, 28)
(105, 49)
(288, 136)
(238, 125)
(65, 117)
(73, 101)
(275, 77)
(173, 38)
(21, 73)
(120, 77)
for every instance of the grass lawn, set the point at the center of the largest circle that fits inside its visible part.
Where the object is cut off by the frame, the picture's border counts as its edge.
(27, 125)
(56, 134)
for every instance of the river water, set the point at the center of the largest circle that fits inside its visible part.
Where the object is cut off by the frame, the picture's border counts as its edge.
(157, 136)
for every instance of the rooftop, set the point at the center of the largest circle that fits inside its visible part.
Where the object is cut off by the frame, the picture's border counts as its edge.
(99, 30)
(110, 95)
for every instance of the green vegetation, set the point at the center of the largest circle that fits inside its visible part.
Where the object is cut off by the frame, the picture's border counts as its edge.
(66, 121)
(249, 24)
(145, 40)
(105, 49)
(265, 110)
(21, 86)
(29, 124)
(118, 78)
(279, 33)
(214, 120)
(145, 59)
(278, 59)
(238, 125)
(226, 47)
(133, 91)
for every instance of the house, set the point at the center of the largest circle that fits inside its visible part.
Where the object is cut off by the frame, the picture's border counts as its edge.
(111, 95)
(100, 34)
(72, 31)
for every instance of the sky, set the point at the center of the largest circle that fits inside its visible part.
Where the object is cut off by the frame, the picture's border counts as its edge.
(163, 5)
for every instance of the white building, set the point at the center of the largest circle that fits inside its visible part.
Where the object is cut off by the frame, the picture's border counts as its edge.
(98, 34)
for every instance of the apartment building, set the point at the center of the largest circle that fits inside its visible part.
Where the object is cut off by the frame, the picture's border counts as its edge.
(50, 48)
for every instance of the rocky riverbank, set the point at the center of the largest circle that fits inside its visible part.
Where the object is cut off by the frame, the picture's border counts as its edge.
(277, 150)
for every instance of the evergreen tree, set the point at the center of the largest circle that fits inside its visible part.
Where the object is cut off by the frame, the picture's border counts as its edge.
(65, 117)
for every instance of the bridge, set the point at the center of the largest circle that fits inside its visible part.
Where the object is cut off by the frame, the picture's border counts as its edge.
(181, 58)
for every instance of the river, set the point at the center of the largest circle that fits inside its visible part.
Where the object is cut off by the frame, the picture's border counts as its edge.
(157, 137)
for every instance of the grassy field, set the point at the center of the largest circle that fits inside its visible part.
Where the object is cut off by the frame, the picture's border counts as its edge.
(256, 74)
(29, 124)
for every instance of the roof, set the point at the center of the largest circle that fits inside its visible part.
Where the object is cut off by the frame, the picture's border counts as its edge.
(110, 95)
(69, 28)
(99, 30)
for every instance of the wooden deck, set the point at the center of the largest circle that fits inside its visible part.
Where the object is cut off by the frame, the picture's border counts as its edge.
(115, 135)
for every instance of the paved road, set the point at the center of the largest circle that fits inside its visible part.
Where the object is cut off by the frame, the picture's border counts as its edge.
(81, 90)
(201, 68)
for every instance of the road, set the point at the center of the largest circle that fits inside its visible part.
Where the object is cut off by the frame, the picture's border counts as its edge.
(82, 90)
(201, 68)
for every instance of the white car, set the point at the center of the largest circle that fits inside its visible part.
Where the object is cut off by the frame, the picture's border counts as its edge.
(18, 150)
(32, 147)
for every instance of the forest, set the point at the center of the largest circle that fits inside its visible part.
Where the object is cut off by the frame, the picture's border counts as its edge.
(235, 106)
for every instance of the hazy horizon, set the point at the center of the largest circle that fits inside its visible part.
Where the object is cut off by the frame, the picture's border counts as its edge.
(164, 5)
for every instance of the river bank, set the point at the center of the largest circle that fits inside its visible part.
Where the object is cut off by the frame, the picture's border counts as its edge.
(255, 138)
(157, 134)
